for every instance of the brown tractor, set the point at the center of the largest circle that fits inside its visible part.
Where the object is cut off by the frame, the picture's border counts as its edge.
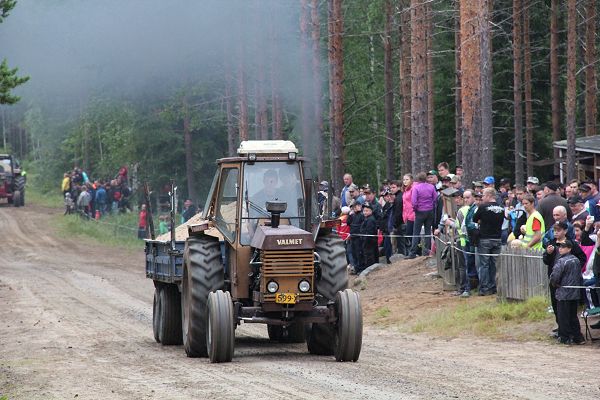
(262, 254)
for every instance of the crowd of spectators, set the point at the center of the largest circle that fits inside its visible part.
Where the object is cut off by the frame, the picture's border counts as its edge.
(559, 220)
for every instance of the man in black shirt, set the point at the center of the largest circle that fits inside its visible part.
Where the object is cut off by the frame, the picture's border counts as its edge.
(489, 216)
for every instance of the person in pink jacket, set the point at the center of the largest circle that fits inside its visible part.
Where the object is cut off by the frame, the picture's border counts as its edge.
(408, 213)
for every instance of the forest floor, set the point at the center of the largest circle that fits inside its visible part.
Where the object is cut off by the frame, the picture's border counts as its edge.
(76, 322)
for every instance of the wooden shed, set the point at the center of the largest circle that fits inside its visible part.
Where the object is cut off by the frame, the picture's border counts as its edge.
(587, 157)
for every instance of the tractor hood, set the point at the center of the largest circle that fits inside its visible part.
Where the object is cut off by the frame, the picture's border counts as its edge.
(284, 237)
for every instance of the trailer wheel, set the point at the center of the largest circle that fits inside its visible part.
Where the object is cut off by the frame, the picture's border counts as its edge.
(220, 331)
(156, 314)
(202, 274)
(16, 198)
(169, 331)
(348, 335)
(294, 333)
(334, 278)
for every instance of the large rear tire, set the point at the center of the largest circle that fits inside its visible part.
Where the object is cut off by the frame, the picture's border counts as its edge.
(202, 274)
(169, 331)
(334, 278)
(220, 328)
(156, 309)
(348, 335)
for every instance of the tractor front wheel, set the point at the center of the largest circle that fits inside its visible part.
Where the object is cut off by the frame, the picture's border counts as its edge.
(16, 200)
(348, 334)
(220, 329)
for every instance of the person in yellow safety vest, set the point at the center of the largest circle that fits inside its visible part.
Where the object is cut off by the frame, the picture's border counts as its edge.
(463, 201)
(534, 228)
(66, 184)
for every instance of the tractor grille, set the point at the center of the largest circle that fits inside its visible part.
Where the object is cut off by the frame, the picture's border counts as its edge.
(288, 267)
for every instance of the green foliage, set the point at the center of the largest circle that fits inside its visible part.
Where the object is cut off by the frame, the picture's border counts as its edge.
(8, 81)
(5, 7)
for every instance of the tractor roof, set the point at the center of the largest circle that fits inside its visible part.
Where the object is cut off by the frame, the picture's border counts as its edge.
(266, 147)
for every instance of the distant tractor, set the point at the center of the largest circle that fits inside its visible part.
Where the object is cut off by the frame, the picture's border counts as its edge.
(262, 254)
(12, 181)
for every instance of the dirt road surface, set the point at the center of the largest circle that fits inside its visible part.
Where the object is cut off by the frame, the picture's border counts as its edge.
(75, 322)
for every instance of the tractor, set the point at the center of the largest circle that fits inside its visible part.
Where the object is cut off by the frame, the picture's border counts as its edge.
(12, 181)
(261, 254)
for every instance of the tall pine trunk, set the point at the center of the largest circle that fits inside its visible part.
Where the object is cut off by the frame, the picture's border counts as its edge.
(457, 91)
(242, 96)
(389, 91)
(336, 78)
(571, 95)
(276, 106)
(317, 85)
(590, 69)
(429, 47)
(306, 101)
(554, 79)
(419, 100)
(189, 159)
(405, 85)
(231, 139)
(527, 81)
(517, 89)
(486, 161)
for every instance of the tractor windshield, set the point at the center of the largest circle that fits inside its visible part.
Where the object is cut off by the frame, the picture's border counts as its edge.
(5, 166)
(271, 181)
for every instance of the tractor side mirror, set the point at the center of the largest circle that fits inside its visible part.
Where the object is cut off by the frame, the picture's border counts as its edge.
(276, 208)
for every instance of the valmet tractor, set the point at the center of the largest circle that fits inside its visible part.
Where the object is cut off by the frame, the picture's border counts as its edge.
(12, 181)
(262, 254)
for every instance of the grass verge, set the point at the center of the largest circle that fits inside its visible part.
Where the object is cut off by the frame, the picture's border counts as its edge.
(500, 320)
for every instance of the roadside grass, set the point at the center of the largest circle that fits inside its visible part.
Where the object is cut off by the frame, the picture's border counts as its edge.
(50, 200)
(500, 320)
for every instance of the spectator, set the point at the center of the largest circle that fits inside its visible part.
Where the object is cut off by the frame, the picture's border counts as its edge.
(355, 221)
(576, 204)
(189, 210)
(354, 193)
(375, 206)
(143, 223)
(163, 227)
(83, 202)
(532, 184)
(398, 221)
(469, 208)
(344, 233)
(386, 224)
(550, 201)
(460, 277)
(408, 213)
(534, 228)
(369, 239)
(345, 195)
(101, 199)
(589, 192)
(443, 169)
(489, 216)
(423, 199)
(567, 272)
(66, 184)
(433, 178)
(459, 170)
(559, 214)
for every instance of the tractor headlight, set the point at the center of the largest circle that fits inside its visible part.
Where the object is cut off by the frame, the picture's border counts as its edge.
(252, 157)
(291, 156)
(304, 286)
(272, 286)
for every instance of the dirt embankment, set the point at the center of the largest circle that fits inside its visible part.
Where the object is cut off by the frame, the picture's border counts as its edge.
(75, 322)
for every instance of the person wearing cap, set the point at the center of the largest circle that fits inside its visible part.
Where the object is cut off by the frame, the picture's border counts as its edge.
(532, 184)
(576, 204)
(424, 199)
(477, 187)
(355, 220)
(566, 271)
(398, 222)
(353, 192)
(368, 230)
(433, 179)
(345, 195)
(375, 206)
(455, 182)
(589, 192)
(386, 224)
(489, 216)
(460, 274)
(550, 201)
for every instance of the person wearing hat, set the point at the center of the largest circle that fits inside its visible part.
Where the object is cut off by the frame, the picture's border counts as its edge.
(532, 184)
(375, 206)
(590, 194)
(434, 179)
(566, 271)
(355, 220)
(368, 230)
(551, 200)
(353, 192)
(455, 182)
(477, 187)
(577, 206)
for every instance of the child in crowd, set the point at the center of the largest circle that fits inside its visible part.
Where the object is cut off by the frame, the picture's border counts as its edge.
(369, 239)
(163, 227)
(567, 272)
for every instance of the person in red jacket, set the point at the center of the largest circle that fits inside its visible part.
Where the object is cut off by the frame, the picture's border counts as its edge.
(143, 223)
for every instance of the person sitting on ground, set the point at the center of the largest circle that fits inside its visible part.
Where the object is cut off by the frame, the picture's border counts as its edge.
(567, 272)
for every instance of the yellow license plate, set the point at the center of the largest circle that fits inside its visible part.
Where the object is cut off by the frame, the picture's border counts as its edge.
(285, 298)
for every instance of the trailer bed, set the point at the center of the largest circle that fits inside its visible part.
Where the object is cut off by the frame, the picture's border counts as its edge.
(163, 264)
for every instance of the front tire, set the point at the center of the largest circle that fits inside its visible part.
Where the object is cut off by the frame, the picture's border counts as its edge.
(220, 330)
(348, 335)
(16, 198)
(202, 274)
(334, 278)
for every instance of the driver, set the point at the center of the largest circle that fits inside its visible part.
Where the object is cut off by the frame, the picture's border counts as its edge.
(269, 191)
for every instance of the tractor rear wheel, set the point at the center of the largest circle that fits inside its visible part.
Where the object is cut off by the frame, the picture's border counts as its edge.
(220, 330)
(348, 335)
(156, 309)
(294, 333)
(334, 278)
(202, 274)
(16, 200)
(169, 331)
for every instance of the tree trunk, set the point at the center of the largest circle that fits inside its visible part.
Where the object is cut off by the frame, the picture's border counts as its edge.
(457, 91)
(590, 69)
(554, 80)
(336, 77)
(429, 47)
(242, 97)
(389, 92)
(317, 85)
(305, 64)
(276, 106)
(517, 88)
(470, 60)
(189, 159)
(570, 103)
(486, 161)
(405, 93)
(527, 81)
(231, 139)
(419, 104)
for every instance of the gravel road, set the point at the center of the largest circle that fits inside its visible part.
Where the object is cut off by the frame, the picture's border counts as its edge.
(75, 322)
